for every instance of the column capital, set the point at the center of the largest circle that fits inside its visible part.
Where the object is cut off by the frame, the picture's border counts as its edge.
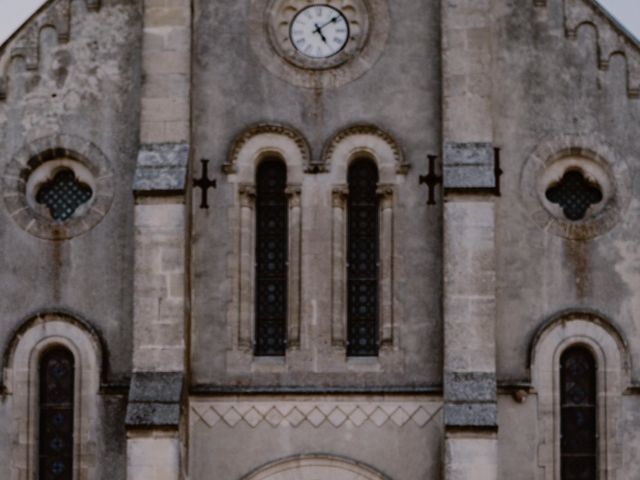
(293, 192)
(247, 193)
(339, 195)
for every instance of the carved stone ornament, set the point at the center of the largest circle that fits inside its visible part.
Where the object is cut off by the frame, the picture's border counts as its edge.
(241, 140)
(296, 414)
(402, 167)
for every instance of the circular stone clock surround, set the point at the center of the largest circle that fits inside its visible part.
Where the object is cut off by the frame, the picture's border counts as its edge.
(270, 27)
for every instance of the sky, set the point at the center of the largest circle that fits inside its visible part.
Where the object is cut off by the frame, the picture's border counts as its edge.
(14, 12)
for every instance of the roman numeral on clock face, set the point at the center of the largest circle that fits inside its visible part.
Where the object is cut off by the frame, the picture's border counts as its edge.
(319, 31)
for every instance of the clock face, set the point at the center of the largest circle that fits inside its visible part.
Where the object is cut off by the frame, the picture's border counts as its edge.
(319, 31)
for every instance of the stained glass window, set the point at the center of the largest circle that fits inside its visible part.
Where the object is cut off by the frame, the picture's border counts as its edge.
(56, 415)
(578, 433)
(271, 258)
(363, 259)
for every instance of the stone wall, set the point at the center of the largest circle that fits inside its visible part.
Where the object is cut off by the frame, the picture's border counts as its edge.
(70, 84)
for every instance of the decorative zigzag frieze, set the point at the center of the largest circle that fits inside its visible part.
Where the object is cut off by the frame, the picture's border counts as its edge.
(27, 42)
(316, 414)
(612, 38)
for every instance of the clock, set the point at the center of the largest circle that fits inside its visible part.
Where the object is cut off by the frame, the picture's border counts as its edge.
(319, 31)
(318, 34)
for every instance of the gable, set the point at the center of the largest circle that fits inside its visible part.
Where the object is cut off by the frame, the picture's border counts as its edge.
(612, 38)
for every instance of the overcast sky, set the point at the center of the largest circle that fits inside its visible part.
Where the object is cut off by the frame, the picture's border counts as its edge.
(14, 12)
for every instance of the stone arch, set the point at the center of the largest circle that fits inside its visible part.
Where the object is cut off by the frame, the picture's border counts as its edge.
(604, 341)
(368, 141)
(263, 140)
(312, 467)
(37, 335)
(248, 150)
(350, 144)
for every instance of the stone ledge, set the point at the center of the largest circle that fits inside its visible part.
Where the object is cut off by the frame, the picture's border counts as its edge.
(471, 415)
(469, 166)
(161, 168)
(154, 400)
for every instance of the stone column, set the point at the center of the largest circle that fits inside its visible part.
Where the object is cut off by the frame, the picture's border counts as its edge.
(247, 195)
(295, 258)
(338, 267)
(159, 353)
(385, 194)
(469, 243)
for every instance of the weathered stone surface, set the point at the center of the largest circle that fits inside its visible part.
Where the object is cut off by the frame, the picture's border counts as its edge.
(468, 415)
(470, 386)
(154, 400)
(469, 166)
(465, 285)
(161, 168)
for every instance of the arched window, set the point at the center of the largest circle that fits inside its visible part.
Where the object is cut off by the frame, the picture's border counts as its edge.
(363, 259)
(56, 413)
(271, 258)
(578, 433)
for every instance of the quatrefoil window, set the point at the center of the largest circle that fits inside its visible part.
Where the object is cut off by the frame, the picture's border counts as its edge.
(575, 194)
(63, 194)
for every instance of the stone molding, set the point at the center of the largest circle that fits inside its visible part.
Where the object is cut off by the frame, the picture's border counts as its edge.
(294, 414)
(613, 371)
(315, 466)
(161, 168)
(22, 382)
(593, 149)
(25, 41)
(55, 147)
(370, 141)
(612, 38)
(262, 129)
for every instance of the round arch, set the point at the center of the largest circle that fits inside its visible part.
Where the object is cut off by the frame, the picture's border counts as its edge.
(315, 467)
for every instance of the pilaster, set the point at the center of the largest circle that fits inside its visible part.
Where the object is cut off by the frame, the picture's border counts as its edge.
(470, 181)
(160, 216)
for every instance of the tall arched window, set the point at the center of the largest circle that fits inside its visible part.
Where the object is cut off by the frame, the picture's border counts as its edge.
(57, 373)
(363, 259)
(271, 258)
(578, 433)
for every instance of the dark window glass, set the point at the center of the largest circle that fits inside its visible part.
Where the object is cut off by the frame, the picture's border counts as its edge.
(575, 194)
(63, 195)
(362, 257)
(271, 258)
(56, 415)
(578, 436)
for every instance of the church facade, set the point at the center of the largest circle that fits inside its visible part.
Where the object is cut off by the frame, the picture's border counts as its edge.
(320, 240)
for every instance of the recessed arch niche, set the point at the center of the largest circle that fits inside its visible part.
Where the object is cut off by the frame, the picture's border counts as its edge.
(316, 468)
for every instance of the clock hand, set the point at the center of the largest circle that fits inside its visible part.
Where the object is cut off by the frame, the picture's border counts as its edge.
(318, 30)
(333, 20)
